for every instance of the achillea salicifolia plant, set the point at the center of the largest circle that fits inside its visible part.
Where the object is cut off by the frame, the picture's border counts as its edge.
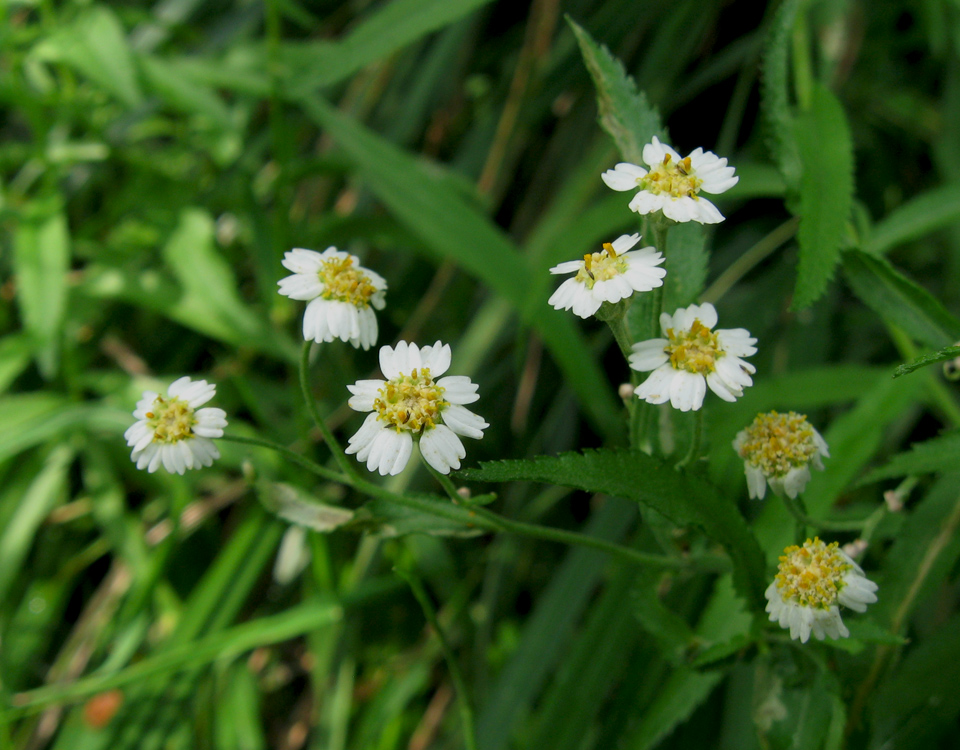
(778, 449)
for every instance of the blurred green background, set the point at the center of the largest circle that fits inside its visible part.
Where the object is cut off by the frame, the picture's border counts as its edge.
(157, 160)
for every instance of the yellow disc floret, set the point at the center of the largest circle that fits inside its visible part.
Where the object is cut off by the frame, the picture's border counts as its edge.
(671, 178)
(812, 575)
(695, 350)
(171, 420)
(345, 283)
(777, 443)
(601, 266)
(410, 402)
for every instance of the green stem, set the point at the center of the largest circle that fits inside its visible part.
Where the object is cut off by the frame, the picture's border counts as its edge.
(444, 481)
(306, 463)
(796, 508)
(618, 324)
(693, 453)
(466, 712)
(341, 458)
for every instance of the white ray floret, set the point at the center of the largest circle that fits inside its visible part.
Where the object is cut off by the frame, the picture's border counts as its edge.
(692, 357)
(673, 184)
(411, 406)
(342, 295)
(612, 274)
(812, 582)
(171, 431)
(778, 449)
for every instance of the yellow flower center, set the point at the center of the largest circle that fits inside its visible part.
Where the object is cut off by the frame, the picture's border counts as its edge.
(410, 402)
(812, 575)
(344, 283)
(171, 420)
(672, 178)
(777, 443)
(696, 350)
(601, 266)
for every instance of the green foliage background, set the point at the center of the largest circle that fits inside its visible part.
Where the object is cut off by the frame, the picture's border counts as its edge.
(157, 160)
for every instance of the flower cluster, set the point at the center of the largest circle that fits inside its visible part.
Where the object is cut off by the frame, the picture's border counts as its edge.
(811, 582)
(778, 449)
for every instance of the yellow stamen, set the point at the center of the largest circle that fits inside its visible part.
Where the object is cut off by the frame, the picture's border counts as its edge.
(412, 403)
(601, 266)
(696, 350)
(344, 283)
(171, 420)
(676, 179)
(777, 443)
(812, 575)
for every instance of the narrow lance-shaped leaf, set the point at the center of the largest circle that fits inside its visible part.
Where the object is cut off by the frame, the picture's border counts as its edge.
(625, 112)
(944, 355)
(826, 193)
(927, 212)
(775, 96)
(937, 454)
(900, 301)
(685, 500)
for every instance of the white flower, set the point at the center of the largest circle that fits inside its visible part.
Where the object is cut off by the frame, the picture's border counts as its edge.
(411, 405)
(342, 295)
(611, 275)
(811, 582)
(672, 184)
(692, 357)
(778, 449)
(172, 431)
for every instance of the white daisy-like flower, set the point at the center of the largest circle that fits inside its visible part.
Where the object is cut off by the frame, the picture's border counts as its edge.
(672, 184)
(692, 357)
(342, 295)
(411, 406)
(171, 431)
(612, 274)
(778, 449)
(811, 582)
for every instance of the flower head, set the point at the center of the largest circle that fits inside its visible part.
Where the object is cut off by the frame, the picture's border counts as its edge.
(778, 449)
(411, 405)
(342, 295)
(672, 184)
(171, 431)
(811, 582)
(692, 357)
(612, 274)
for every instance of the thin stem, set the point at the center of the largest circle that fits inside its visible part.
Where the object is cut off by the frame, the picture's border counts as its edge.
(444, 481)
(796, 508)
(466, 712)
(306, 463)
(693, 453)
(341, 458)
(618, 324)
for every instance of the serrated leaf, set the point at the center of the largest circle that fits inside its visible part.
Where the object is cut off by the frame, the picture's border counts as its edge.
(775, 95)
(935, 209)
(826, 193)
(937, 454)
(686, 263)
(945, 354)
(671, 632)
(296, 506)
(625, 112)
(41, 259)
(684, 499)
(721, 652)
(900, 301)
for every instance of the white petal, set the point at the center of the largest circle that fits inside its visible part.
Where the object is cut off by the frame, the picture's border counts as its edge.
(299, 260)
(458, 389)
(464, 422)
(301, 286)
(649, 355)
(623, 176)
(364, 393)
(568, 266)
(442, 449)
(625, 242)
(707, 212)
(756, 482)
(656, 388)
(654, 152)
(737, 341)
(436, 358)
(687, 390)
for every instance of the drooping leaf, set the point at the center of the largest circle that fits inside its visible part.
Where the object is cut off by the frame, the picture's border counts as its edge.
(296, 506)
(41, 259)
(941, 453)
(900, 301)
(826, 193)
(686, 500)
(775, 95)
(945, 354)
(625, 112)
(934, 209)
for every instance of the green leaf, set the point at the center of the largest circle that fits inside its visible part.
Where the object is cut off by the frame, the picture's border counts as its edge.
(295, 506)
(722, 652)
(625, 112)
(673, 635)
(684, 690)
(184, 93)
(686, 263)
(439, 517)
(423, 198)
(932, 210)
(15, 353)
(941, 453)
(684, 499)
(775, 95)
(911, 708)
(945, 354)
(96, 46)
(41, 259)
(900, 301)
(826, 193)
